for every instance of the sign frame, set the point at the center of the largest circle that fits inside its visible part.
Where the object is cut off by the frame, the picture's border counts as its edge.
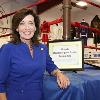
(67, 45)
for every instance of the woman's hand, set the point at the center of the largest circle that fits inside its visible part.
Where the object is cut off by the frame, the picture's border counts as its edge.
(3, 96)
(62, 80)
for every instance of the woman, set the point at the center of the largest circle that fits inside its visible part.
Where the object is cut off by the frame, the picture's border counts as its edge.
(24, 60)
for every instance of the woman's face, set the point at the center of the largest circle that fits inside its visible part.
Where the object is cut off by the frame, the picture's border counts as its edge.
(26, 28)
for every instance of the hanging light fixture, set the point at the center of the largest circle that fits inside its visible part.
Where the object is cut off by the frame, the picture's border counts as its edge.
(81, 3)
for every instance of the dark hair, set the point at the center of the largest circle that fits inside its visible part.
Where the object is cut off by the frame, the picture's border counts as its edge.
(17, 18)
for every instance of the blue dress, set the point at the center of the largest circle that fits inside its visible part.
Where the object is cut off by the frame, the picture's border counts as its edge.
(21, 76)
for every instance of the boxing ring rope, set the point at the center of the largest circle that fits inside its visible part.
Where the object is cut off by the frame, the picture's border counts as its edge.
(5, 35)
(77, 24)
(93, 4)
(91, 47)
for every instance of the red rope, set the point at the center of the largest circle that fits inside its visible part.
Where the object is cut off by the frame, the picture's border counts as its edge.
(55, 21)
(76, 24)
(5, 35)
(91, 47)
(88, 1)
(37, 3)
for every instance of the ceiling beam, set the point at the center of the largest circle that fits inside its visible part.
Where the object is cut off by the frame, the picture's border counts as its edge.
(47, 5)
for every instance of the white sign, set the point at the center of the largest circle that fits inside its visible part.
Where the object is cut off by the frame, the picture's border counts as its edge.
(67, 54)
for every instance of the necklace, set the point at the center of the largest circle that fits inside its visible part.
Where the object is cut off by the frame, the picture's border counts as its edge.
(30, 47)
(31, 50)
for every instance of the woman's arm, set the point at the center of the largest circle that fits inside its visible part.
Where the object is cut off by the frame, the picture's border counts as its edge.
(3, 96)
(62, 80)
(4, 69)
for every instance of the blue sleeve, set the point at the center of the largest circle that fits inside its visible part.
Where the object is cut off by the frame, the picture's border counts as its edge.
(50, 66)
(4, 66)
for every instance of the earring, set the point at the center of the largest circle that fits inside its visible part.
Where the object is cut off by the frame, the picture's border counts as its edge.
(17, 29)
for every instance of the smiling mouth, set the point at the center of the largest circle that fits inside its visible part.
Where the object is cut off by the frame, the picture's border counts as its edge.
(27, 33)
